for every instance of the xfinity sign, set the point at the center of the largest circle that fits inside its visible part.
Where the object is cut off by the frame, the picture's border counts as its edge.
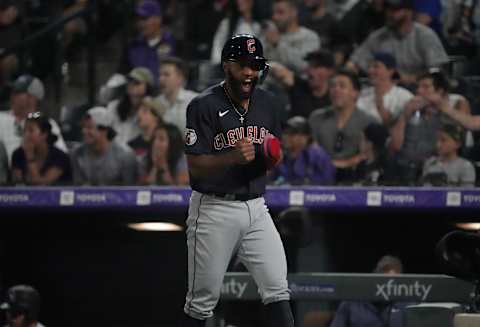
(234, 288)
(393, 289)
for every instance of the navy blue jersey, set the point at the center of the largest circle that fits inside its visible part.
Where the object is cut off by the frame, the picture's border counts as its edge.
(214, 126)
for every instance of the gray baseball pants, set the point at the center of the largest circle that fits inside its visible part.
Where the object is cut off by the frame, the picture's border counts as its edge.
(216, 229)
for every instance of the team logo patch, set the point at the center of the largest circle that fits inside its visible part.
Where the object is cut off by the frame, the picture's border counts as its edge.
(190, 136)
(251, 45)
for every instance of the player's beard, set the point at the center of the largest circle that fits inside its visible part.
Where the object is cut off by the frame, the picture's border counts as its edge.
(236, 87)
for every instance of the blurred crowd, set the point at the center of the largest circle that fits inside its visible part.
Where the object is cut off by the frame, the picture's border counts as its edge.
(368, 90)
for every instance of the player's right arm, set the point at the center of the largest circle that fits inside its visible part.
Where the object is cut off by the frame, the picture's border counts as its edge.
(202, 161)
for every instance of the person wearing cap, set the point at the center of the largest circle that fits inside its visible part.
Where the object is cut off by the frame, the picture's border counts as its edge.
(22, 306)
(27, 92)
(123, 110)
(149, 114)
(338, 128)
(285, 41)
(383, 100)
(416, 47)
(304, 162)
(153, 43)
(37, 161)
(173, 95)
(373, 314)
(414, 134)
(312, 93)
(100, 160)
(447, 168)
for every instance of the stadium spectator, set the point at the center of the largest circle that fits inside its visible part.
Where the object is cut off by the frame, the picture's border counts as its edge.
(284, 40)
(304, 162)
(10, 34)
(240, 19)
(22, 306)
(26, 95)
(357, 23)
(153, 43)
(307, 95)
(338, 128)
(383, 100)
(123, 111)
(415, 47)
(415, 133)
(37, 161)
(373, 314)
(165, 164)
(100, 160)
(316, 18)
(448, 168)
(373, 155)
(173, 95)
(148, 116)
(458, 26)
(428, 13)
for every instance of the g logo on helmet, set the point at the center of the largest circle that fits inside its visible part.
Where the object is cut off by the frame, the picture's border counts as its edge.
(251, 45)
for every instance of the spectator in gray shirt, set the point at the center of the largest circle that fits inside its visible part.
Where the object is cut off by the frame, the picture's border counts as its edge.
(338, 129)
(415, 47)
(285, 41)
(448, 168)
(99, 160)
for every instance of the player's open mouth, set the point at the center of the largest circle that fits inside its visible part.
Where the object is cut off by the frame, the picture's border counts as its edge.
(247, 85)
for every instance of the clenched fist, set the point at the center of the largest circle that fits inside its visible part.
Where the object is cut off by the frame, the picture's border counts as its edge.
(244, 151)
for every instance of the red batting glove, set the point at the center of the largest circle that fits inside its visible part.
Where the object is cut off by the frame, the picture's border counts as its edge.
(272, 150)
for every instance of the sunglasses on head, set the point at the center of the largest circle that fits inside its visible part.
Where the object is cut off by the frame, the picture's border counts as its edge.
(34, 115)
(254, 64)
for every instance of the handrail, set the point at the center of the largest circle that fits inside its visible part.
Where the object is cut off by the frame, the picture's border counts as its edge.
(44, 31)
(87, 13)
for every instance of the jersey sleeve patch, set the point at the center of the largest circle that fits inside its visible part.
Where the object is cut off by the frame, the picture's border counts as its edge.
(190, 137)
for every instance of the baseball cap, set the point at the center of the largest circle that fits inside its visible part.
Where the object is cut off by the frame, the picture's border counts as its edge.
(148, 8)
(101, 116)
(386, 58)
(297, 125)
(399, 4)
(22, 299)
(142, 75)
(320, 58)
(453, 130)
(155, 105)
(29, 84)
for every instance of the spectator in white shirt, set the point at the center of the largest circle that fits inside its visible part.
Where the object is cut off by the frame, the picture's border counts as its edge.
(124, 110)
(27, 93)
(383, 100)
(173, 95)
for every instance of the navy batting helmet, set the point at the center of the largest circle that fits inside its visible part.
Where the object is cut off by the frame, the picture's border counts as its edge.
(244, 47)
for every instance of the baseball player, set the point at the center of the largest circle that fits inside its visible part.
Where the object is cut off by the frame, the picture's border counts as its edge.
(22, 306)
(231, 141)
